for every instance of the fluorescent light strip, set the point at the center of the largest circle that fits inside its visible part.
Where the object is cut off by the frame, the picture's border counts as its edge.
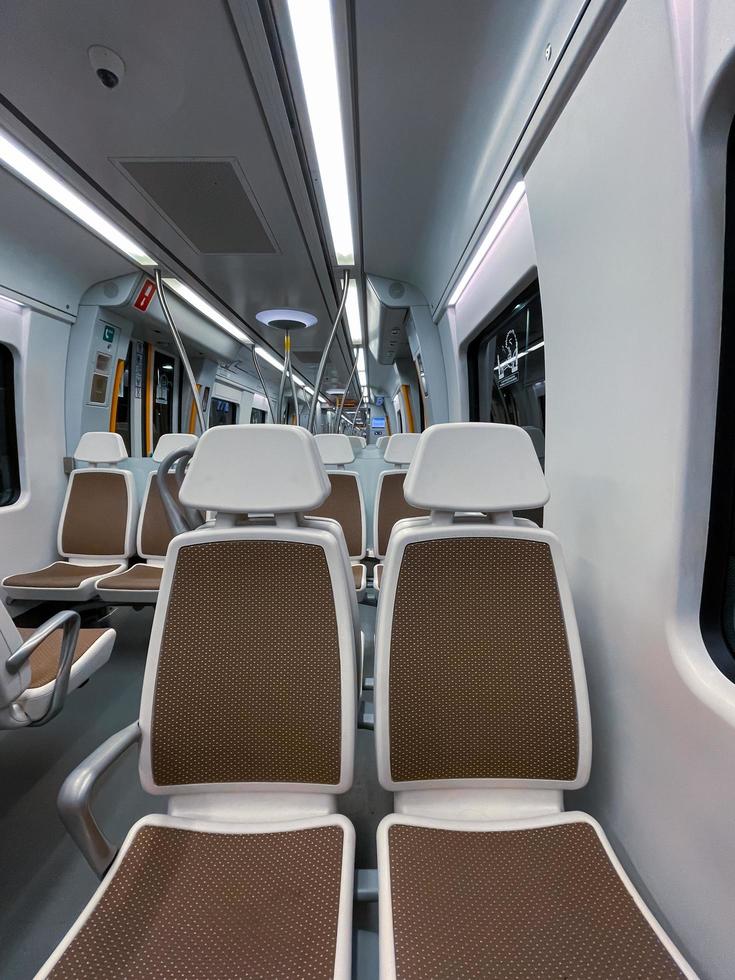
(30, 169)
(203, 307)
(354, 316)
(492, 233)
(313, 32)
(499, 367)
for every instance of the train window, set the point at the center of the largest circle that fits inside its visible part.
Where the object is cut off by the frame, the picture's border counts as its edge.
(717, 611)
(507, 377)
(222, 412)
(257, 416)
(506, 366)
(9, 463)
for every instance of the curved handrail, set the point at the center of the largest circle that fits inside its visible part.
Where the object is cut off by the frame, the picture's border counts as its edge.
(179, 517)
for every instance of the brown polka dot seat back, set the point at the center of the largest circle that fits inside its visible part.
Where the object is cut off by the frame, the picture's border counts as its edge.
(250, 645)
(345, 503)
(477, 648)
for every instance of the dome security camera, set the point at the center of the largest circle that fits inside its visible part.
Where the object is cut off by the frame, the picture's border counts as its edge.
(108, 66)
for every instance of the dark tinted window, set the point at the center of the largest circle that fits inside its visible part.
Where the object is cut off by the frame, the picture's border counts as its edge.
(507, 381)
(717, 614)
(257, 416)
(222, 412)
(9, 465)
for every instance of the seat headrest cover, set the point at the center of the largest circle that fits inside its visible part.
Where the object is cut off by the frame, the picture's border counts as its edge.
(335, 449)
(401, 447)
(358, 442)
(100, 447)
(171, 441)
(250, 469)
(475, 466)
(382, 443)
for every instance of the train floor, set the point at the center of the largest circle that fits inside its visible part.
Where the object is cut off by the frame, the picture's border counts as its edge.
(45, 880)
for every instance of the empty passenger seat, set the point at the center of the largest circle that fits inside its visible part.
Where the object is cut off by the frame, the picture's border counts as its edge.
(27, 691)
(482, 720)
(390, 503)
(247, 724)
(96, 529)
(141, 582)
(345, 504)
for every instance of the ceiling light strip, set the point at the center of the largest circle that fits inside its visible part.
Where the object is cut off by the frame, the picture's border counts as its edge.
(492, 233)
(313, 32)
(30, 169)
(206, 309)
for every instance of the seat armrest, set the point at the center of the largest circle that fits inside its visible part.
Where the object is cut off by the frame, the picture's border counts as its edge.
(75, 797)
(69, 621)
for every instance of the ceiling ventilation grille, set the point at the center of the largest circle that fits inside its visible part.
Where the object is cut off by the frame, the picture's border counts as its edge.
(207, 201)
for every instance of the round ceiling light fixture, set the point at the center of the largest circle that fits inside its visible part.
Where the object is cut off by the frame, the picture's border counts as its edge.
(286, 319)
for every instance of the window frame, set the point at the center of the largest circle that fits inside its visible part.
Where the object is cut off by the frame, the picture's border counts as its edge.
(9, 416)
(477, 348)
(721, 531)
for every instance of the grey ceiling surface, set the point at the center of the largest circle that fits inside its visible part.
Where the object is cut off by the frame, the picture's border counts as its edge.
(444, 90)
(45, 254)
(186, 95)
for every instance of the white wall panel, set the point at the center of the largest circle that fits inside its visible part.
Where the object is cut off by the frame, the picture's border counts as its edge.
(622, 226)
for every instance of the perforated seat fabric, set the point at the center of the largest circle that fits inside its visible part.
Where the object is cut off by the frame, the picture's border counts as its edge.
(516, 904)
(344, 506)
(137, 578)
(59, 575)
(189, 903)
(45, 658)
(155, 529)
(481, 683)
(244, 617)
(392, 507)
(96, 517)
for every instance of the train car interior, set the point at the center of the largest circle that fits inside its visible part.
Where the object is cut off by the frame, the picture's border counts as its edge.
(367, 490)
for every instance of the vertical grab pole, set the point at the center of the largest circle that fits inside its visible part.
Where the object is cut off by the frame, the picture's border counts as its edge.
(180, 348)
(344, 396)
(262, 382)
(294, 394)
(325, 353)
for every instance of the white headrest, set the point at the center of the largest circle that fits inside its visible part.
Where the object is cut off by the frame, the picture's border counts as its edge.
(335, 449)
(250, 469)
(401, 447)
(172, 441)
(100, 447)
(475, 466)
(382, 442)
(358, 443)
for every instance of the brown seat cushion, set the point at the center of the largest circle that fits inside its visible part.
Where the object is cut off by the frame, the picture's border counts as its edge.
(45, 658)
(481, 618)
(139, 577)
(60, 575)
(194, 904)
(343, 505)
(96, 517)
(378, 574)
(515, 904)
(156, 532)
(357, 574)
(392, 507)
